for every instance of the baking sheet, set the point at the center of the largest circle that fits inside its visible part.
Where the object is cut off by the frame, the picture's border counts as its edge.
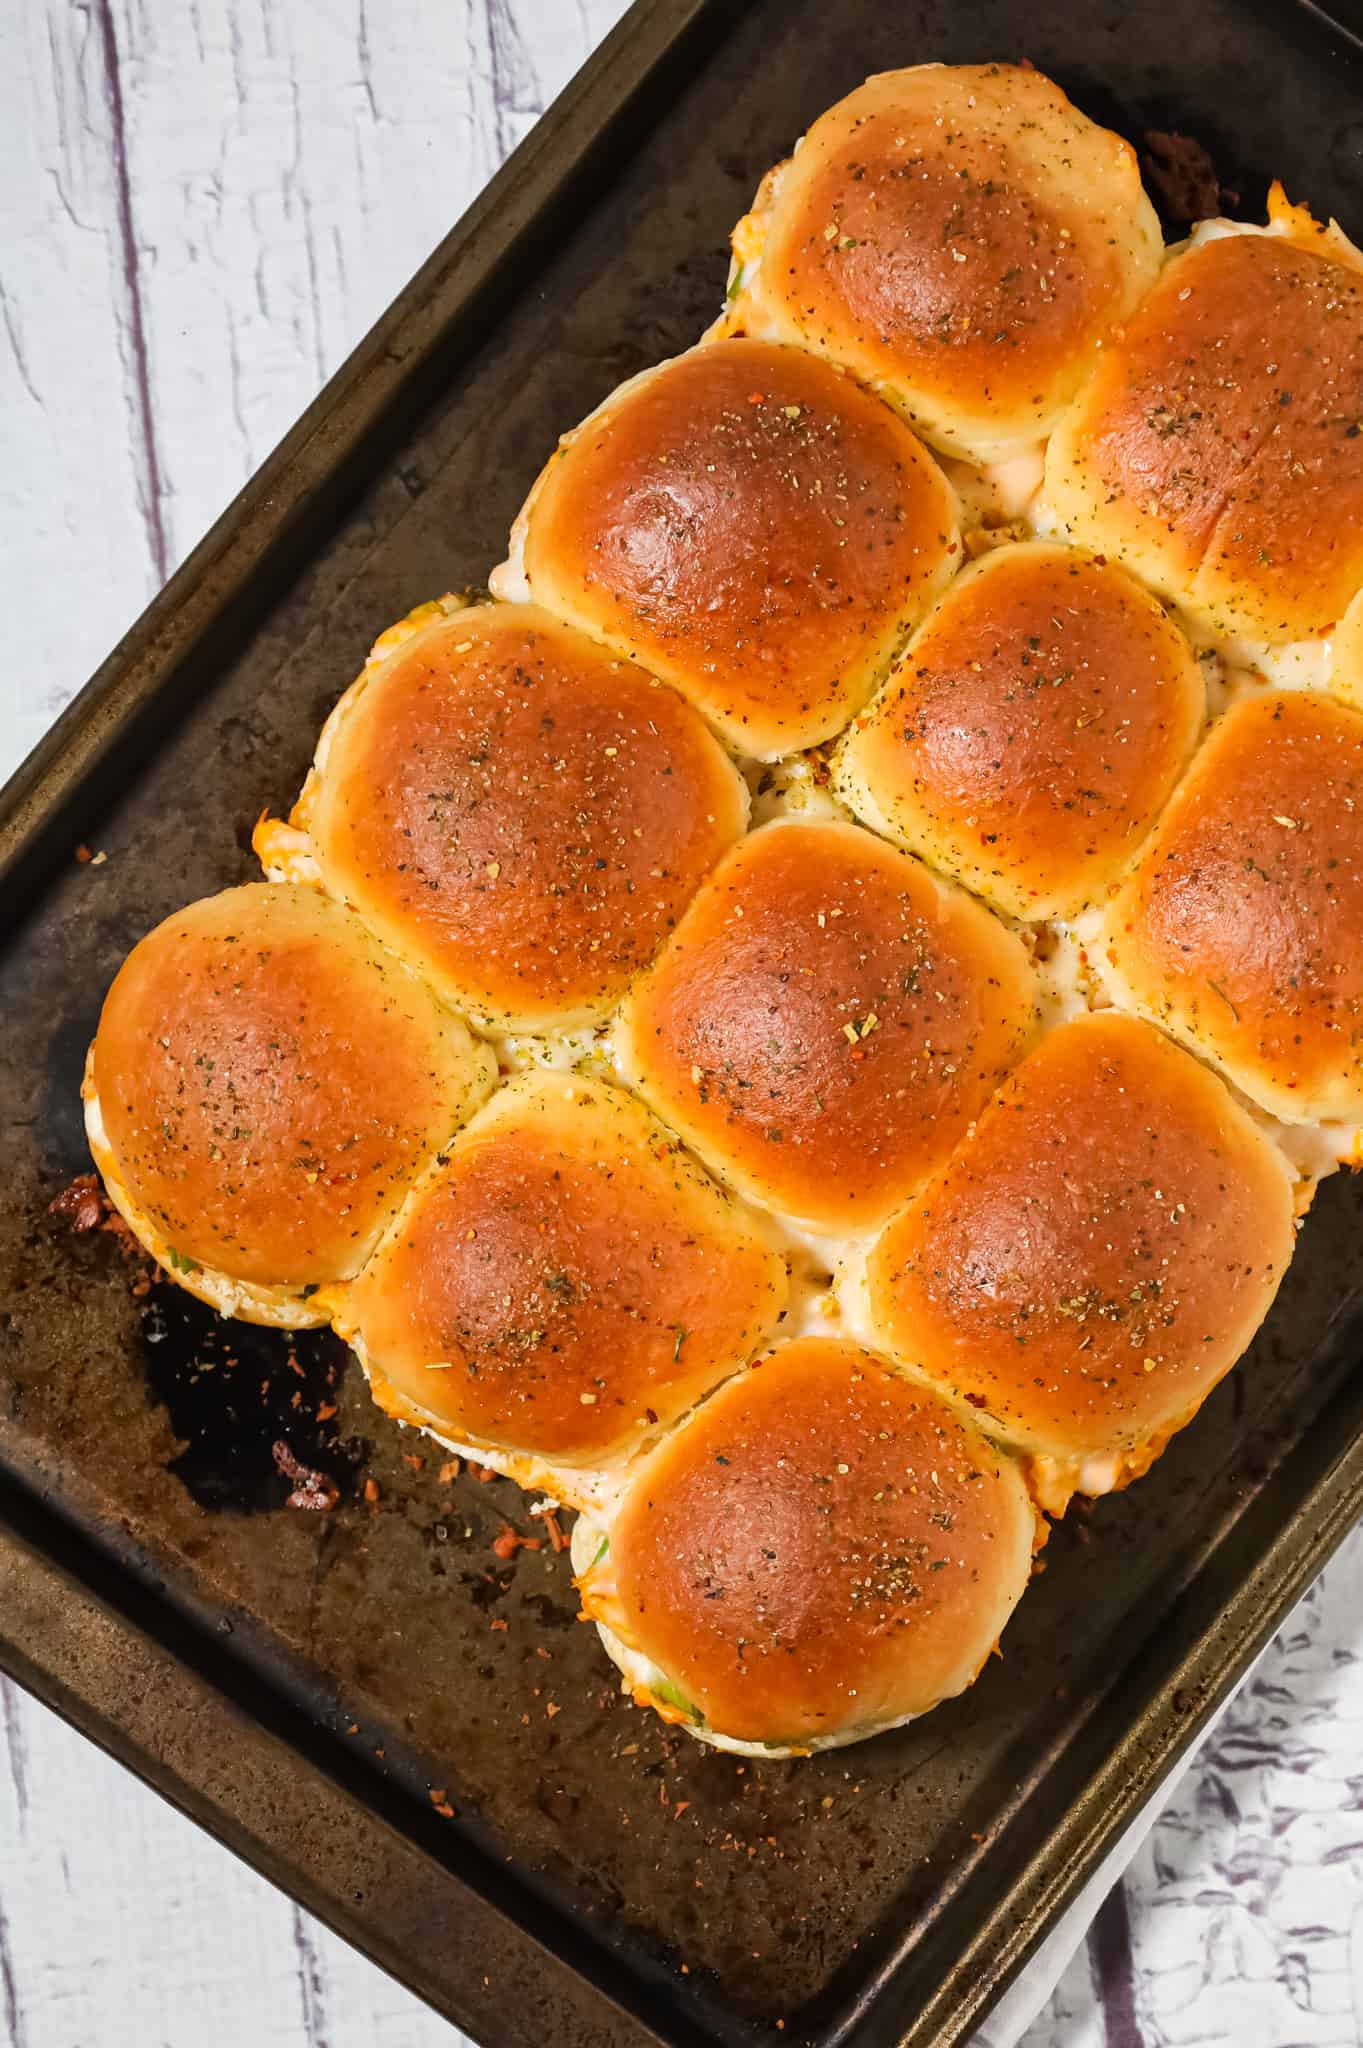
(304, 1683)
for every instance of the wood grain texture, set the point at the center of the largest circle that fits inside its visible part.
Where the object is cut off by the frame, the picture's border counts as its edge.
(206, 203)
(73, 512)
(120, 1923)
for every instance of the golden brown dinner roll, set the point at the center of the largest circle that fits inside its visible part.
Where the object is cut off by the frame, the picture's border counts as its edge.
(1239, 927)
(522, 814)
(563, 1283)
(826, 1020)
(753, 526)
(823, 1550)
(962, 238)
(266, 1082)
(1217, 448)
(1096, 1253)
(1029, 737)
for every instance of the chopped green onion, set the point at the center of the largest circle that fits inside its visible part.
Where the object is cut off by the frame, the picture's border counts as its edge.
(663, 1689)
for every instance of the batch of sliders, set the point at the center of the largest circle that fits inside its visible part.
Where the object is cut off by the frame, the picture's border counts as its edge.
(805, 1026)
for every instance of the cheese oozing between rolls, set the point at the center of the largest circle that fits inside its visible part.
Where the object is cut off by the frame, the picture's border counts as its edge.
(825, 1021)
(821, 1551)
(1238, 928)
(1095, 1255)
(563, 1283)
(1217, 447)
(753, 526)
(963, 238)
(1032, 731)
(266, 1082)
(520, 812)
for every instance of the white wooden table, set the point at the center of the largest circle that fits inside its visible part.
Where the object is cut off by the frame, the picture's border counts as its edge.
(203, 205)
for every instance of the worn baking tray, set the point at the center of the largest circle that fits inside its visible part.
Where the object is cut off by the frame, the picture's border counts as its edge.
(302, 1683)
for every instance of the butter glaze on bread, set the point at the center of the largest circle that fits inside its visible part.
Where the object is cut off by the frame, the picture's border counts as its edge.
(520, 812)
(1032, 731)
(963, 238)
(1217, 448)
(563, 1282)
(1094, 1256)
(825, 1549)
(269, 1080)
(754, 527)
(1238, 928)
(826, 1020)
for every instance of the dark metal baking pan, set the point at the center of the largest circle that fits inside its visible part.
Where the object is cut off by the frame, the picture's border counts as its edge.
(303, 1683)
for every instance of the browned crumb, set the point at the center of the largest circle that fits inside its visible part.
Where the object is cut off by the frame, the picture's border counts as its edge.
(1183, 179)
(313, 1490)
(82, 1204)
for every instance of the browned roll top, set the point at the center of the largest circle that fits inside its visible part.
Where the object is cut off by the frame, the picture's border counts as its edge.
(1033, 730)
(753, 526)
(1217, 447)
(1239, 926)
(962, 238)
(524, 814)
(822, 1548)
(565, 1281)
(1097, 1252)
(826, 1020)
(270, 1080)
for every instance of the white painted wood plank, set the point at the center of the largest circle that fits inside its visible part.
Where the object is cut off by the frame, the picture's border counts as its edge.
(122, 1923)
(74, 509)
(187, 258)
(290, 167)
